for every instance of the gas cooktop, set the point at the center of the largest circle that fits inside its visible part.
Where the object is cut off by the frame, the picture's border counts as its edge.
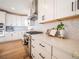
(34, 32)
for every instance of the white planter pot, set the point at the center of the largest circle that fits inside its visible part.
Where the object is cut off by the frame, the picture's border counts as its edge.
(61, 32)
(53, 32)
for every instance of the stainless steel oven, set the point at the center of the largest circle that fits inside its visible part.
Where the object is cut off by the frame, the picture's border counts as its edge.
(2, 29)
(1, 32)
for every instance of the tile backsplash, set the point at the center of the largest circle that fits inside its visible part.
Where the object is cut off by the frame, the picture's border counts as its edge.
(71, 28)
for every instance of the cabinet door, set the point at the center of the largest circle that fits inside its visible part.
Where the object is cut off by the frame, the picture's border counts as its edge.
(60, 54)
(45, 50)
(44, 55)
(64, 8)
(41, 10)
(18, 20)
(45, 9)
(34, 53)
(77, 7)
(49, 9)
(14, 20)
(44, 47)
(10, 20)
(35, 45)
(24, 21)
(68, 8)
(2, 17)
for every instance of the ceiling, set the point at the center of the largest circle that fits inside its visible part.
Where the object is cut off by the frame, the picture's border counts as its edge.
(16, 6)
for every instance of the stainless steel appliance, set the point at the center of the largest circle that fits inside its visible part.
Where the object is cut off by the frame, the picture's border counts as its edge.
(2, 29)
(27, 42)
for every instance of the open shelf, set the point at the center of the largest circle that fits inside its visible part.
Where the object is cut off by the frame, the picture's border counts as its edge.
(60, 19)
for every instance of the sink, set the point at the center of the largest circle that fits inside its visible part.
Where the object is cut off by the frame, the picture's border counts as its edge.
(34, 32)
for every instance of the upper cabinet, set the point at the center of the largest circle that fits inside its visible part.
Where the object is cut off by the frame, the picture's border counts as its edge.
(45, 9)
(77, 7)
(24, 21)
(64, 8)
(15, 20)
(10, 20)
(2, 17)
(53, 10)
(18, 21)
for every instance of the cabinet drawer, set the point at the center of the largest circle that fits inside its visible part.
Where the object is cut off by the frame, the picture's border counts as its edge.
(34, 54)
(44, 55)
(45, 47)
(60, 54)
(35, 43)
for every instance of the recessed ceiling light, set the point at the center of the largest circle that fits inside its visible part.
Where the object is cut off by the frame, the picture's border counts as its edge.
(13, 8)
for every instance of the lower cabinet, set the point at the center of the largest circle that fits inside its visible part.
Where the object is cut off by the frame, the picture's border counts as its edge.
(40, 50)
(60, 54)
(43, 55)
(34, 54)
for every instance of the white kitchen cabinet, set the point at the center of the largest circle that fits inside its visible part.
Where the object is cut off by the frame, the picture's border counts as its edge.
(18, 35)
(41, 9)
(2, 17)
(41, 49)
(44, 56)
(9, 36)
(24, 21)
(77, 6)
(18, 20)
(64, 8)
(61, 54)
(45, 50)
(44, 47)
(45, 9)
(34, 53)
(15, 20)
(10, 20)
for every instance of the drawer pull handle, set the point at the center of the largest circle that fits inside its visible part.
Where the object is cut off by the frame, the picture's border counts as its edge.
(72, 6)
(41, 45)
(41, 56)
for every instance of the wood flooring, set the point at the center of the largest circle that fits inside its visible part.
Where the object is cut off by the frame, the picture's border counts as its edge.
(13, 50)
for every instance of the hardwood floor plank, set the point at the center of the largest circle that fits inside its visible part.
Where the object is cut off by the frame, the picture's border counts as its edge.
(13, 50)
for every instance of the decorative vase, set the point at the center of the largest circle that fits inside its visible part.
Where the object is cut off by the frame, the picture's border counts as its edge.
(61, 33)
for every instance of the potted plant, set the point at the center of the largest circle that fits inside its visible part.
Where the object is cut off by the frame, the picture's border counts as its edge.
(60, 29)
(53, 31)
